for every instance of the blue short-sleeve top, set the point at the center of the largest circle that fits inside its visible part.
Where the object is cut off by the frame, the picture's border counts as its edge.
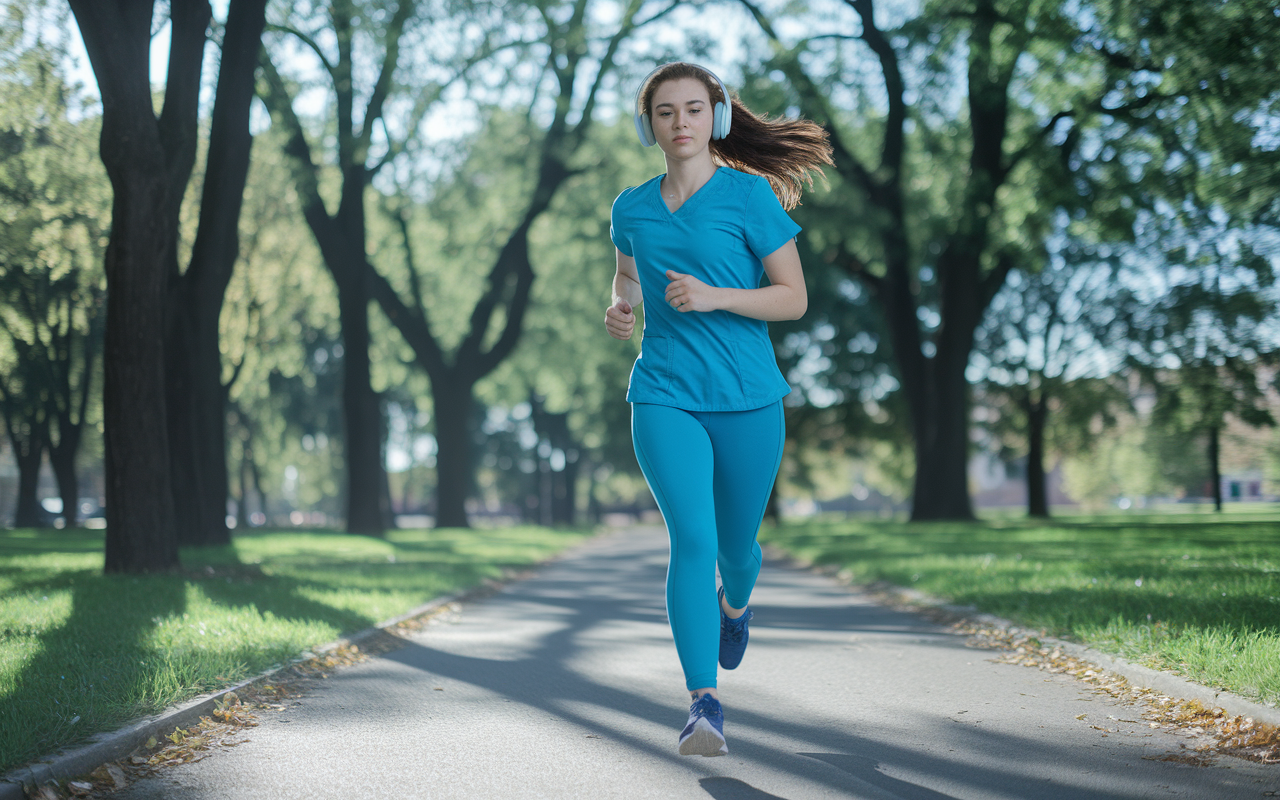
(703, 361)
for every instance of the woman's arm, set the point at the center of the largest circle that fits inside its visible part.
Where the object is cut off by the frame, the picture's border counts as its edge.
(786, 298)
(620, 318)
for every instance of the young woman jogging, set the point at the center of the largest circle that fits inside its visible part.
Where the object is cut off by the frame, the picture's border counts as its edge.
(706, 392)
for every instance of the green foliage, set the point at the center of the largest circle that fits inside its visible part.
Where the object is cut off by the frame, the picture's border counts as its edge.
(55, 204)
(282, 351)
(83, 652)
(1172, 592)
(1131, 461)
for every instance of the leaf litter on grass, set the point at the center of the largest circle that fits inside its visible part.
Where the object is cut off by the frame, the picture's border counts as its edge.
(1214, 732)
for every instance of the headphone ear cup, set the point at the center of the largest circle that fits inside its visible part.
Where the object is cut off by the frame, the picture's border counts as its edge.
(720, 123)
(644, 129)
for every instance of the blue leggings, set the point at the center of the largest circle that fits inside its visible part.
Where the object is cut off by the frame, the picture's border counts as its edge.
(711, 473)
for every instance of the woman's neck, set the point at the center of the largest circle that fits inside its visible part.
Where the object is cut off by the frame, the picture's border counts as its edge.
(684, 177)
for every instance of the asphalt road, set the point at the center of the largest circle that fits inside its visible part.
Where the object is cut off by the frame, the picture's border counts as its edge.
(566, 685)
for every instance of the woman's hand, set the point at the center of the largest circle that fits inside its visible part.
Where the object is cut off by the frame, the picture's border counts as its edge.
(687, 293)
(620, 319)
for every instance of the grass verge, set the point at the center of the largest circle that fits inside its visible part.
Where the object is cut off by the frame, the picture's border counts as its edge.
(82, 652)
(1197, 597)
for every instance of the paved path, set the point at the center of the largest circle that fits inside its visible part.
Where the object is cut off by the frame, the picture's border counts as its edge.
(566, 685)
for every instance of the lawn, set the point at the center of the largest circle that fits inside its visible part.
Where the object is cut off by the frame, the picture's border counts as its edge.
(82, 652)
(1196, 594)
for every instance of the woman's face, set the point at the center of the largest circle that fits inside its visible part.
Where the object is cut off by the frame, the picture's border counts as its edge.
(682, 116)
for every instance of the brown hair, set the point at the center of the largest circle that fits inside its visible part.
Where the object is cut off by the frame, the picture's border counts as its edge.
(786, 152)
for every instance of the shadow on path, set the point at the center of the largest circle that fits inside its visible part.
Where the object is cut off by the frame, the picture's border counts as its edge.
(580, 600)
(734, 789)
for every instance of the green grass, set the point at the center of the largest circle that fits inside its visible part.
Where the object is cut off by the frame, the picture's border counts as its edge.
(82, 652)
(1197, 596)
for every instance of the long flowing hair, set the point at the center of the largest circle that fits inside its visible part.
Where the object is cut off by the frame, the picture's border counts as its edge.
(786, 152)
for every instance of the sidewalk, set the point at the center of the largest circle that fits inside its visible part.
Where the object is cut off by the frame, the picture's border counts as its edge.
(566, 685)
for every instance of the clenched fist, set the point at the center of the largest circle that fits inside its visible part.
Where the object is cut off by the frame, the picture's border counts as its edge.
(620, 320)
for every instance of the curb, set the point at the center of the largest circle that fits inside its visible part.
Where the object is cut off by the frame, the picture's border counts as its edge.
(112, 745)
(1166, 683)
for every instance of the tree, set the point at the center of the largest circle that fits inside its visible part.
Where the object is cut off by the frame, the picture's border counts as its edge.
(496, 321)
(149, 159)
(933, 196)
(53, 199)
(163, 426)
(282, 346)
(1046, 346)
(1205, 344)
(342, 235)
(195, 396)
(1207, 334)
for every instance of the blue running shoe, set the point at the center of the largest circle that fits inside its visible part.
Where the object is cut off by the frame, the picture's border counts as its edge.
(733, 636)
(704, 735)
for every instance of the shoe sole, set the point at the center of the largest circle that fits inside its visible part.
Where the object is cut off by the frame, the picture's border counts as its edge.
(704, 741)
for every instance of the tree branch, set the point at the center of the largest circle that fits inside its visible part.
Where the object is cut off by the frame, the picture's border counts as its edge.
(412, 327)
(1044, 132)
(993, 280)
(310, 43)
(305, 174)
(606, 61)
(426, 99)
(373, 110)
(815, 104)
(411, 261)
(894, 134)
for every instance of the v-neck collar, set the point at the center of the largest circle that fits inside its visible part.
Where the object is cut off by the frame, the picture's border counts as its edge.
(690, 201)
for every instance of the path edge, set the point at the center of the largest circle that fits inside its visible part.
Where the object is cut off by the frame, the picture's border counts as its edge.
(1166, 683)
(112, 745)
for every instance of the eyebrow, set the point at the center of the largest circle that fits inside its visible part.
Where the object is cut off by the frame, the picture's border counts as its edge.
(673, 105)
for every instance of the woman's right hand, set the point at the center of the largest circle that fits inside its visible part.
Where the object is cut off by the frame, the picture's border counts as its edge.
(620, 319)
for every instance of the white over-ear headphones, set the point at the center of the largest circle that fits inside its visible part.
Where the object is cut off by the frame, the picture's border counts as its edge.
(720, 122)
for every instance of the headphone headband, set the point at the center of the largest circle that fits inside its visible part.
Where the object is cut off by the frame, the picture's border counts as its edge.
(723, 114)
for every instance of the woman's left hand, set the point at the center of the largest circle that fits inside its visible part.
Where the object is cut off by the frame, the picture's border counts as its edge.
(687, 293)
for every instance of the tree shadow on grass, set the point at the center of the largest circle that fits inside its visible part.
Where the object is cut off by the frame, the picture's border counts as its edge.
(91, 672)
(1063, 609)
(101, 667)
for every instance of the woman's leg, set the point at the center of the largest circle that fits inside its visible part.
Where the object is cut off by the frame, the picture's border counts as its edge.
(675, 455)
(747, 448)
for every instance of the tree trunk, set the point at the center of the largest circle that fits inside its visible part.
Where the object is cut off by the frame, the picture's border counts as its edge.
(140, 518)
(361, 414)
(63, 461)
(149, 161)
(1036, 410)
(565, 503)
(1215, 473)
(242, 503)
(386, 505)
(195, 394)
(455, 451)
(940, 416)
(186, 461)
(594, 512)
(28, 452)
